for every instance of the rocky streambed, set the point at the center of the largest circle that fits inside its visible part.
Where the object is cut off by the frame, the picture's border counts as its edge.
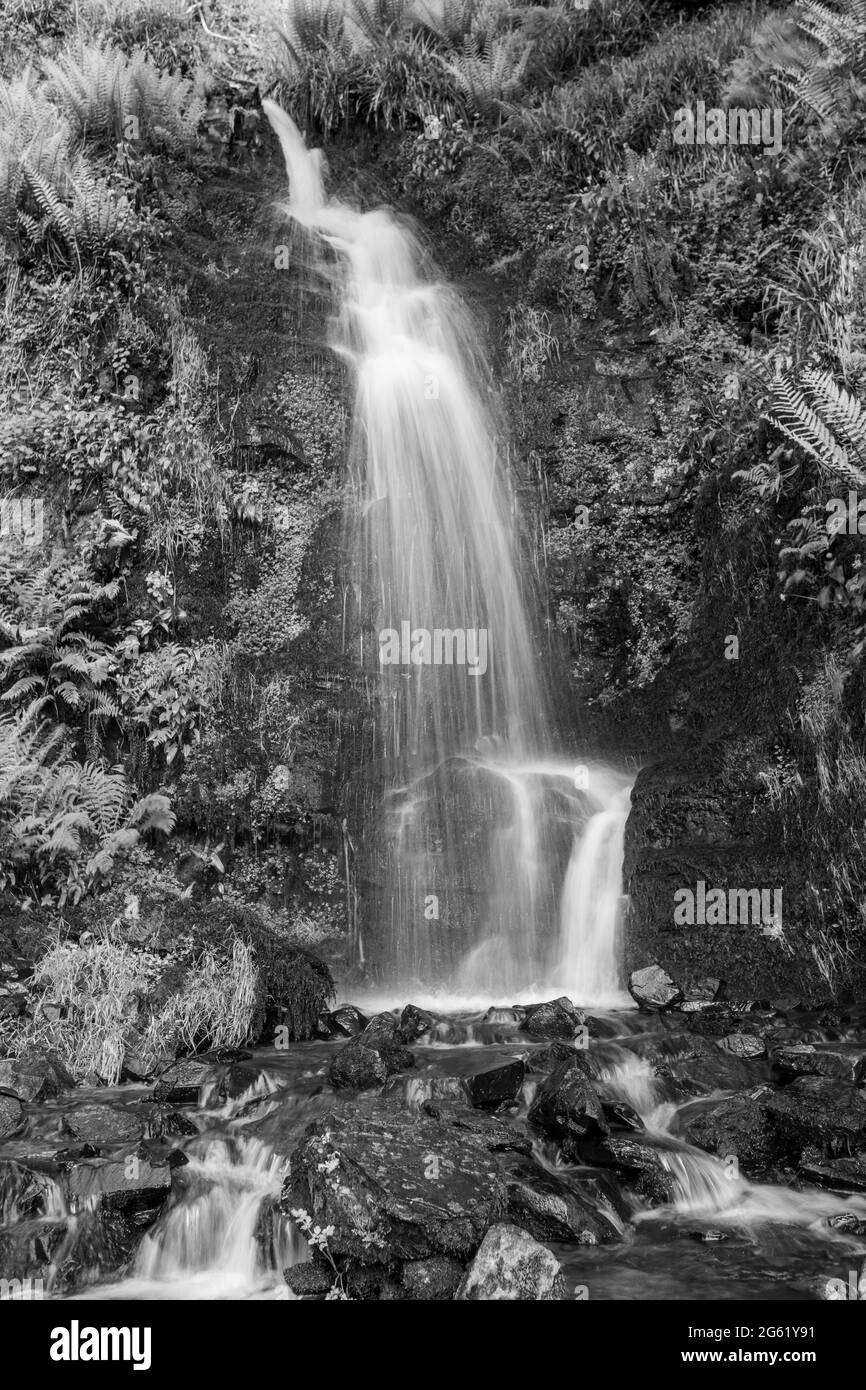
(689, 1149)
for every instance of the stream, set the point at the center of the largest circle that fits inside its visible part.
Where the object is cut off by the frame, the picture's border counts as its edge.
(221, 1235)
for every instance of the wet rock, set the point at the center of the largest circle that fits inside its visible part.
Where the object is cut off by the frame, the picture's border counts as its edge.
(720, 1019)
(848, 1222)
(383, 1028)
(28, 1191)
(29, 1248)
(35, 1076)
(434, 1279)
(182, 1082)
(497, 1136)
(687, 1077)
(395, 1187)
(744, 1045)
(365, 1064)
(805, 1059)
(652, 988)
(136, 1182)
(619, 1114)
(820, 1112)
(309, 1280)
(510, 1265)
(414, 1023)
(345, 1022)
(638, 1163)
(557, 1018)
(497, 1085)
(738, 1126)
(699, 994)
(568, 1107)
(12, 1119)
(546, 1058)
(551, 1207)
(102, 1126)
(846, 1174)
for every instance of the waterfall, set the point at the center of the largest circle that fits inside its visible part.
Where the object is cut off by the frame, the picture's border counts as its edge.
(470, 824)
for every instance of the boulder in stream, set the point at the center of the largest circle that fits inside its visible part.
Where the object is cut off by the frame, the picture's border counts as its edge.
(805, 1059)
(568, 1107)
(557, 1018)
(183, 1081)
(102, 1126)
(562, 1207)
(819, 1112)
(652, 988)
(366, 1062)
(497, 1085)
(345, 1022)
(510, 1265)
(395, 1187)
(738, 1126)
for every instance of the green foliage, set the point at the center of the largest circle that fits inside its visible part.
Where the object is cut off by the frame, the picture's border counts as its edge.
(64, 825)
(52, 662)
(109, 97)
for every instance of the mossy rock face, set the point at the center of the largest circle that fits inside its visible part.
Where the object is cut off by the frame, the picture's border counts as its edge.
(294, 985)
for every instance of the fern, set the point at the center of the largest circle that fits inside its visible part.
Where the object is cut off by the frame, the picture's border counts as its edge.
(824, 421)
(490, 71)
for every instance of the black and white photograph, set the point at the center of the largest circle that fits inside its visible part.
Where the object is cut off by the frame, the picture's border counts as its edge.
(432, 670)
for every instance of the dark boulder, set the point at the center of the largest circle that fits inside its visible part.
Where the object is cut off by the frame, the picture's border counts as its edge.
(557, 1018)
(738, 1126)
(638, 1162)
(555, 1207)
(511, 1266)
(365, 1064)
(414, 1023)
(395, 1188)
(568, 1107)
(652, 988)
(102, 1126)
(544, 1059)
(820, 1112)
(34, 1076)
(139, 1182)
(497, 1085)
(805, 1059)
(846, 1174)
(345, 1022)
(183, 1081)
(693, 1077)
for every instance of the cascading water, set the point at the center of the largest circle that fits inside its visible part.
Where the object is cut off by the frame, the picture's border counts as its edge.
(476, 828)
